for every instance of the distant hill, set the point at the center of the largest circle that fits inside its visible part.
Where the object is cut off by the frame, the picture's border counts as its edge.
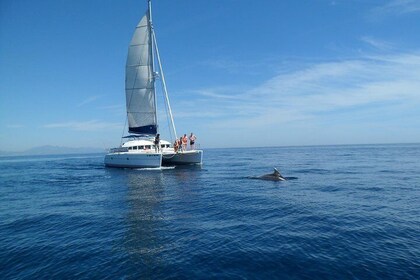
(53, 150)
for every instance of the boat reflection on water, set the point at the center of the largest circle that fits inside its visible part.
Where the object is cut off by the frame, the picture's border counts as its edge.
(144, 220)
(158, 221)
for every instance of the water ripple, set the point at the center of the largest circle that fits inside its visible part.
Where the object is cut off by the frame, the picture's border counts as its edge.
(352, 213)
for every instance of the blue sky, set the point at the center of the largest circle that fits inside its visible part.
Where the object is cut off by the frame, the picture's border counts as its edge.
(239, 72)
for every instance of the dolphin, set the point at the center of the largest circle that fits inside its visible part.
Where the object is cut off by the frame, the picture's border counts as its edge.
(275, 176)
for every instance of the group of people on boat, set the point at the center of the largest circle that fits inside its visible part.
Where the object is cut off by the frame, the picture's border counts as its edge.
(181, 143)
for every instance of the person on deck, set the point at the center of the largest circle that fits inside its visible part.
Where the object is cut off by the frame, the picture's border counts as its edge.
(180, 143)
(192, 141)
(184, 142)
(176, 145)
(157, 143)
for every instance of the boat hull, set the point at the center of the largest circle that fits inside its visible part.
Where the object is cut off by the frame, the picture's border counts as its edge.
(182, 158)
(133, 160)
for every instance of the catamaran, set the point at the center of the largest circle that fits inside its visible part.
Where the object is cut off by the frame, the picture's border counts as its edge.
(140, 149)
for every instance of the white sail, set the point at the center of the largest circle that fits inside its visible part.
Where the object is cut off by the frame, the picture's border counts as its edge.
(139, 81)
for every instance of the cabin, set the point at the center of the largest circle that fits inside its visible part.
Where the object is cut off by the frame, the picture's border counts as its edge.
(142, 145)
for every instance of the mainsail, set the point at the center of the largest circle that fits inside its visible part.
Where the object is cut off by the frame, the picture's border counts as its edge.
(139, 81)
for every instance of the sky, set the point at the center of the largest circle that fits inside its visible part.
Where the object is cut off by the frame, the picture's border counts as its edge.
(240, 73)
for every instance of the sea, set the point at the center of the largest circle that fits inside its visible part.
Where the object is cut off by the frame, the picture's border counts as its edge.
(346, 212)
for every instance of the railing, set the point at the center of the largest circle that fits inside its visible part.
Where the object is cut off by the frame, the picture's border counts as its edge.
(119, 150)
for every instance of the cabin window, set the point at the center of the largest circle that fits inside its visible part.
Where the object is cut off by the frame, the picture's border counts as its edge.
(130, 148)
(162, 146)
(148, 147)
(141, 147)
(135, 147)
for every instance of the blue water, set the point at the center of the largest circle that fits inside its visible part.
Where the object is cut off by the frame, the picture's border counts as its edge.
(352, 213)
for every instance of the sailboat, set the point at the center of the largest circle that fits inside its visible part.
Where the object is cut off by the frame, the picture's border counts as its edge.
(141, 149)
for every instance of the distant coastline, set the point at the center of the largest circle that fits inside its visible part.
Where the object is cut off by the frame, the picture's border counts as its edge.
(52, 150)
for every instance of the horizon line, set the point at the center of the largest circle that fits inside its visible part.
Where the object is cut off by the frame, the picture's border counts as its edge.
(28, 153)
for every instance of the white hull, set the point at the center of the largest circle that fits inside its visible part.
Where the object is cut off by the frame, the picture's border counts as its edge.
(133, 160)
(182, 158)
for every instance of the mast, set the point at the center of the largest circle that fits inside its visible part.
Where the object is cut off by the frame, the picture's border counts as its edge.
(149, 2)
(165, 91)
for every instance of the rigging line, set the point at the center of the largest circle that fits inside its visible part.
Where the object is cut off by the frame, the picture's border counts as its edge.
(163, 82)
(125, 124)
(168, 120)
(167, 115)
(169, 125)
